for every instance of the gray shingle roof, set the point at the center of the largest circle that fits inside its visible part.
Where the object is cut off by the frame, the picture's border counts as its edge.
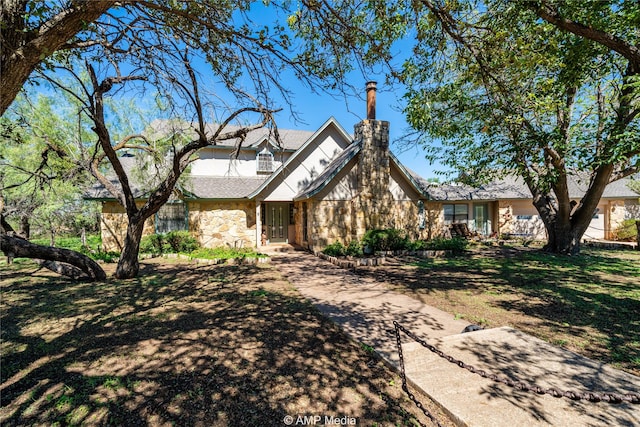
(222, 187)
(198, 187)
(291, 139)
(512, 187)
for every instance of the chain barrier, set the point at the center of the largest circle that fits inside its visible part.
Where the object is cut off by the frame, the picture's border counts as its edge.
(519, 385)
(403, 374)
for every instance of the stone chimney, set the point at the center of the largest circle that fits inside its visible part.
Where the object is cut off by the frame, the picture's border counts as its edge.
(373, 166)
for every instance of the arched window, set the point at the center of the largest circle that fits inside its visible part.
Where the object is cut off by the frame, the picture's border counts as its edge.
(265, 161)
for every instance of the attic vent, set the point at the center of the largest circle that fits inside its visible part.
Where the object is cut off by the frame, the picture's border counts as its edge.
(265, 161)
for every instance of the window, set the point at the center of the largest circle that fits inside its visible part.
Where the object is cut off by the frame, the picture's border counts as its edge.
(172, 217)
(305, 220)
(292, 214)
(455, 213)
(265, 161)
(422, 220)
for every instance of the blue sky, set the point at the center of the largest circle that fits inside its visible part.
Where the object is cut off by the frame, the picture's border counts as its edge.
(348, 109)
(315, 109)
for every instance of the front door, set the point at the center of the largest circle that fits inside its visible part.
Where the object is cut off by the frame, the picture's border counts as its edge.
(277, 222)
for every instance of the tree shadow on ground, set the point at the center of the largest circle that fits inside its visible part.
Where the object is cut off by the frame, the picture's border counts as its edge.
(592, 297)
(181, 345)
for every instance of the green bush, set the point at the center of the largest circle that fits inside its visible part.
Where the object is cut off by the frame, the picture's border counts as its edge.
(109, 256)
(335, 249)
(172, 242)
(627, 231)
(417, 245)
(181, 241)
(389, 239)
(354, 248)
(153, 244)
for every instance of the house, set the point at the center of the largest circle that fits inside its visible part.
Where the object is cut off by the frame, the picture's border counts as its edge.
(312, 189)
(505, 207)
(315, 188)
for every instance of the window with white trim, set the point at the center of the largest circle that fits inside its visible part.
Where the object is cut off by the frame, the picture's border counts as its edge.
(265, 161)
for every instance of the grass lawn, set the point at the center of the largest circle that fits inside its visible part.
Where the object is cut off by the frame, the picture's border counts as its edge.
(183, 344)
(589, 303)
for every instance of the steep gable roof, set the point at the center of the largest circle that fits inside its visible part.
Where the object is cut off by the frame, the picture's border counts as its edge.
(334, 168)
(329, 173)
(275, 175)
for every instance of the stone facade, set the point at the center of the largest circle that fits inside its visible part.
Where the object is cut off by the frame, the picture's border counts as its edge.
(343, 221)
(212, 223)
(223, 223)
(113, 226)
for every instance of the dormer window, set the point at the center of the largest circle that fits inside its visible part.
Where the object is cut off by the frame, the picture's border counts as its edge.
(265, 161)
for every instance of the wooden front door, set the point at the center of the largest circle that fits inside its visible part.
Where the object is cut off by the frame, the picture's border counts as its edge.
(277, 222)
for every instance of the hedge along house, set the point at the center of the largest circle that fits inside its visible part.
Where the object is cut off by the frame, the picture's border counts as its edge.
(312, 189)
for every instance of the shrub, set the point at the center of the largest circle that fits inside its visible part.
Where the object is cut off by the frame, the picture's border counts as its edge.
(153, 244)
(181, 241)
(417, 245)
(335, 249)
(626, 231)
(354, 248)
(389, 239)
(109, 256)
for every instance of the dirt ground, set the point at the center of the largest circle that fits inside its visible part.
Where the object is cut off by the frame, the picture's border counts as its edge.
(188, 345)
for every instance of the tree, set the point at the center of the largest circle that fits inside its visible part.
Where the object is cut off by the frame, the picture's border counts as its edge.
(536, 88)
(151, 40)
(37, 35)
(36, 176)
(40, 184)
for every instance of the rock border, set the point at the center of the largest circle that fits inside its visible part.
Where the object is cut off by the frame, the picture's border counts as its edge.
(380, 258)
(216, 261)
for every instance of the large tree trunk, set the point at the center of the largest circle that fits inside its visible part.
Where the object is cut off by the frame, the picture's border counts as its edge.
(128, 265)
(16, 247)
(564, 240)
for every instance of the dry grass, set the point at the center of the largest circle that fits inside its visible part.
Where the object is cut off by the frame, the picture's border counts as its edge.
(182, 345)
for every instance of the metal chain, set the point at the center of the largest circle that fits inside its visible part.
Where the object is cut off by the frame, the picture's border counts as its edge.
(520, 385)
(405, 386)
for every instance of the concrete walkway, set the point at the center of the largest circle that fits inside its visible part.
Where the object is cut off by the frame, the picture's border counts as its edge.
(366, 310)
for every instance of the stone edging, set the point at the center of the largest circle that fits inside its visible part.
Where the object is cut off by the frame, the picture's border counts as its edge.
(215, 261)
(380, 258)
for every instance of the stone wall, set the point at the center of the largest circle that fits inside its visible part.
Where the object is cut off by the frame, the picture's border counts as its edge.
(212, 223)
(343, 221)
(113, 226)
(223, 223)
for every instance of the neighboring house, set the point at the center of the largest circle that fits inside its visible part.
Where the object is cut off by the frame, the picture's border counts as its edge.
(315, 188)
